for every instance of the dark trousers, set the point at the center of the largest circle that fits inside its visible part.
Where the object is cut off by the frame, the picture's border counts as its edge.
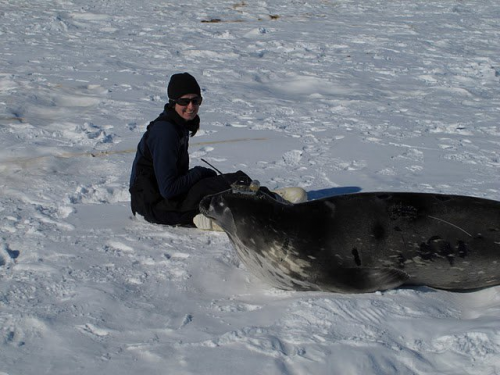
(182, 210)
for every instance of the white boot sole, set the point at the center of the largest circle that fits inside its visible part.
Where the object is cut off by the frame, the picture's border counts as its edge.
(204, 223)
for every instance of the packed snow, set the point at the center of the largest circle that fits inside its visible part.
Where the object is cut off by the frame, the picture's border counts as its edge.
(333, 96)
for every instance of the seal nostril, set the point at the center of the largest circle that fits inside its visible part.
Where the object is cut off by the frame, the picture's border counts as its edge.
(205, 204)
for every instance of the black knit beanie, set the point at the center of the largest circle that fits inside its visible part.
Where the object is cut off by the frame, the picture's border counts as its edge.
(181, 84)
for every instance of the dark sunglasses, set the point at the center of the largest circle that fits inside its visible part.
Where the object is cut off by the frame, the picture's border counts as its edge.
(185, 101)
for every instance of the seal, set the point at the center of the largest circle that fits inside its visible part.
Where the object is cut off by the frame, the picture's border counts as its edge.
(363, 242)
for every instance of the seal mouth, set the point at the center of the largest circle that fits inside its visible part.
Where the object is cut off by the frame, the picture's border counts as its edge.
(205, 205)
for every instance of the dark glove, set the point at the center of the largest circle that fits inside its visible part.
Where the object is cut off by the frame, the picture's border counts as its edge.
(204, 172)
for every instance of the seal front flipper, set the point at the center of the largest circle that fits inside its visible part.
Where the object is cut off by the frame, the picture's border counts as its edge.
(365, 280)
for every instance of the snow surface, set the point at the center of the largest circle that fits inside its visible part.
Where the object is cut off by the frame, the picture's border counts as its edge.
(333, 96)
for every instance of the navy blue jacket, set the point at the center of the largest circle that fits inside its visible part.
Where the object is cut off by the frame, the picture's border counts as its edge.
(162, 156)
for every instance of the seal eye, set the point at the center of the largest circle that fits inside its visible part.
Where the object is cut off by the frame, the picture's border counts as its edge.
(357, 259)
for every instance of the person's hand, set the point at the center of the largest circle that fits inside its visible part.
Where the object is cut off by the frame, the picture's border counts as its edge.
(205, 172)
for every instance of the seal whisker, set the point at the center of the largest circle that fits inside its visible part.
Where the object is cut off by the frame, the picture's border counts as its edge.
(453, 225)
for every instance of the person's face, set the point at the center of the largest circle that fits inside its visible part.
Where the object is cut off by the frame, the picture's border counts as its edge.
(187, 112)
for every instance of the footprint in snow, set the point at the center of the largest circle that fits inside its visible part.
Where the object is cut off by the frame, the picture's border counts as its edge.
(95, 333)
(12, 254)
(187, 319)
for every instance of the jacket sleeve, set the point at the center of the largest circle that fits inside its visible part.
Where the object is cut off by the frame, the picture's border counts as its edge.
(164, 144)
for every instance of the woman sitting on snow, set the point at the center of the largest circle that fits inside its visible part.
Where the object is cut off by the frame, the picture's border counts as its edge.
(163, 189)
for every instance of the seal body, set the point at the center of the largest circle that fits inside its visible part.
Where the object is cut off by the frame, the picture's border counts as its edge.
(364, 242)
